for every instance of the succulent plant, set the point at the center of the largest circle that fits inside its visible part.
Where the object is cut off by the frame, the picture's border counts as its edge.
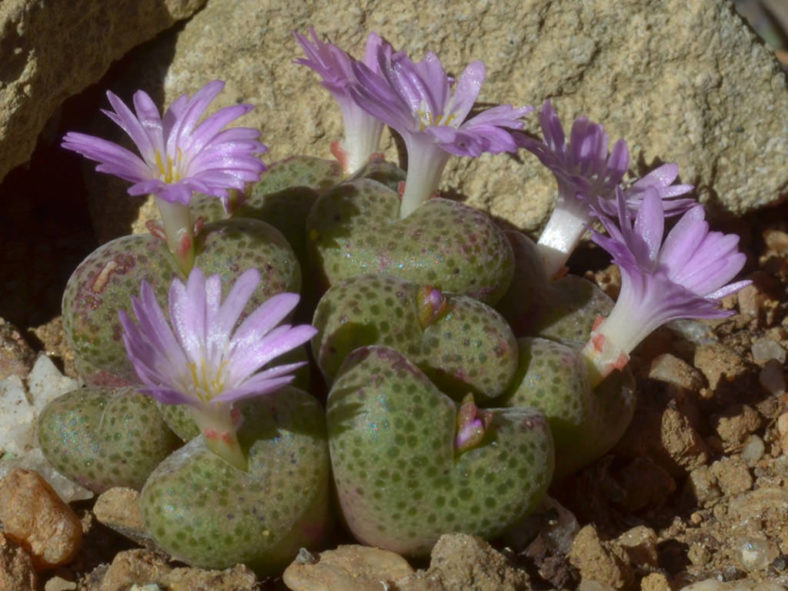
(564, 309)
(585, 422)
(461, 344)
(208, 513)
(103, 437)
(105, 281)
(406, 472)
(405, 335)
(354, 229)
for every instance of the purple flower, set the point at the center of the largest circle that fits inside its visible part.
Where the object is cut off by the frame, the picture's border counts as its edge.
(683, 276)
(416, 99)
(583, 166)
(334, 66)
(588, 175)
(661, 179)
(201, 361)
(178, 155)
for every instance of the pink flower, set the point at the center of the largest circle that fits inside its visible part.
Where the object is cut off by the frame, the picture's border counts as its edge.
(203, 360)
(178, 155)
(588, 175)
(683, 276)
(334, 66)
(416, 99)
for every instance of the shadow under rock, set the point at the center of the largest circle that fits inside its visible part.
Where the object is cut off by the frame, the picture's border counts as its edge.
(55, 209)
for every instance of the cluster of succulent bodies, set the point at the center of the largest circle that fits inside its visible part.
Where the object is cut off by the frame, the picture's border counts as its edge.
(464, 370)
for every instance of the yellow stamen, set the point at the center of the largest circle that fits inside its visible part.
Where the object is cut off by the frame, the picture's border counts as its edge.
(204, 383)
(429, 119)
(169, 173)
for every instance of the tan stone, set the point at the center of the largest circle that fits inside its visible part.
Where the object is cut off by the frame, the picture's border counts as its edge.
(740, 422)
(347, 568)
(599, 561)
(144, 567)
(640, 544)
(711, 100)
(718, 363)
(134, 566)
(36, 518)
(16, 356)
(670, 369)
(462, 561)
(733, 475)
(52, 50)
(237, 578)
(16, 567)
(681, 441)
(118, 508)
(655, 582)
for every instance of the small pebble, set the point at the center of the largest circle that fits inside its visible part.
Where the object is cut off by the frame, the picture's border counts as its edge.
(772, 378)
(640, 545)
(118, 508)
(59, 584)
(586, 585)
(718, 364)
(738, 585)
(753, 450)
(347, 568)
(21, 406)
(16, 356)
(655, 582)
(782, 430)
(670, 369)
(698, 554)
(765, 349)
(755, 553)
(733, 476)
(599, 561)
(751, 300)
(736, 425)
(36, 518)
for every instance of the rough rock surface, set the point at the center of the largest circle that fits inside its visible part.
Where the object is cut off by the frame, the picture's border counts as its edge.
(346, 568)
(16, 567)
(34, 516)
(148, 570)
(711, 99)
(461, 561)
(52, 50)
(600, 561)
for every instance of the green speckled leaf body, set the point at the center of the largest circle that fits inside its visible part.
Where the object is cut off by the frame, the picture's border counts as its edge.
(102, 437)
(469, 349)
(400, 482)
(354, 229)
(204, 511)
(585, 423)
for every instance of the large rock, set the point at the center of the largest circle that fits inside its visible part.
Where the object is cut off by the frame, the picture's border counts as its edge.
(52, 50)
(680, 82)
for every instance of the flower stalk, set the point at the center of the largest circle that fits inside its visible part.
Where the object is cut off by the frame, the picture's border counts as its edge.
(334, 66)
